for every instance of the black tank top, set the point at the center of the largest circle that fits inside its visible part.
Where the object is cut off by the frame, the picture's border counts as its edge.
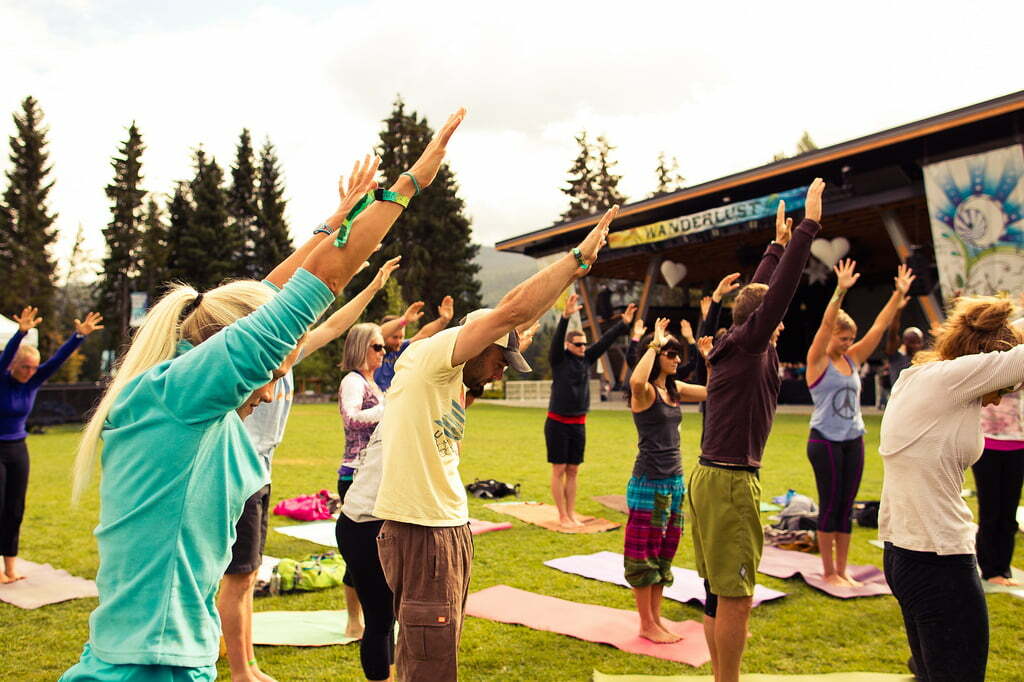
(658, 428)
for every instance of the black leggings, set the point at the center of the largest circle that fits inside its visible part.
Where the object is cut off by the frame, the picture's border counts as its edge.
(998, 475)
(838, 466)
(944, 612)
(13, 484)
(343, 487)
(358, 545)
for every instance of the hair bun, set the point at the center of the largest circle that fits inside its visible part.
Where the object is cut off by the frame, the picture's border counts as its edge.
(989, 317)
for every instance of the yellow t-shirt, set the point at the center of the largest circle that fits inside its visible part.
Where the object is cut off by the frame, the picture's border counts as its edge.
(422, 426)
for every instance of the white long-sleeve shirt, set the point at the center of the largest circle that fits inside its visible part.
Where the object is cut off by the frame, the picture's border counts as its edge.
(930, 434)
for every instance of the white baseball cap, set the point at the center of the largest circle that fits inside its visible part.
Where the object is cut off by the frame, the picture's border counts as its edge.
(509, 343)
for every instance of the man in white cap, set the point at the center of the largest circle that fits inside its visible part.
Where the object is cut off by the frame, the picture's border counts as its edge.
(425, 546)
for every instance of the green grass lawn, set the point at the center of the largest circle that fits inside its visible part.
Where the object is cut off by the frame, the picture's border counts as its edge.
(807, 632)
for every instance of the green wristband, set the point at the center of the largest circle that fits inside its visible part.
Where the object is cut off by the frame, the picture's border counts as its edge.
(393, 197)
(415, 183)
(346, 225)
(583, 265)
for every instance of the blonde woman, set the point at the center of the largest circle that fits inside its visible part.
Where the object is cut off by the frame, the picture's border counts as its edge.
(930, 434)
(836, 443)
(177, 464)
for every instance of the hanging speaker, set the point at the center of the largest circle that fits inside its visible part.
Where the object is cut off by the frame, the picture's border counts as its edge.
(921, 261)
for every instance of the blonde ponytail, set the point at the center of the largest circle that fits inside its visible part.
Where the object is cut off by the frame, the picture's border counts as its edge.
(157, 340)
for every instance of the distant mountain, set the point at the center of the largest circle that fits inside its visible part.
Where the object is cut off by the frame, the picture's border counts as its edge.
(500, 271)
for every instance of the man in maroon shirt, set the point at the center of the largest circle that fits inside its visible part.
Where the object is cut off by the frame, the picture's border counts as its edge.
(743, 389)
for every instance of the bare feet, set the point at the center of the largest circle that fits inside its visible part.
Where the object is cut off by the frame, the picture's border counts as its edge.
(851, 580)
(354, 629)
(10, 578)
(262, 676)
(837, 580)
(1006, 582)
(659, 635)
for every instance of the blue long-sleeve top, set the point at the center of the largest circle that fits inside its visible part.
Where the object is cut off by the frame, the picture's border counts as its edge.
(17, 398)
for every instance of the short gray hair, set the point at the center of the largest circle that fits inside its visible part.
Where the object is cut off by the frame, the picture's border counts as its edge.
(357, 343)
(25, 349)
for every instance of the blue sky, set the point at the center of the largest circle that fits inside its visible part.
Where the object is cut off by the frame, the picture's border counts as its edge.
(721, 86)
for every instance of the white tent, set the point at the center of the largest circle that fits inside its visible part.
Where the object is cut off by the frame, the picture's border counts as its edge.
(9, 327)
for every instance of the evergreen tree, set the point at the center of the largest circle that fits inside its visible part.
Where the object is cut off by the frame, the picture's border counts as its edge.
(242, 205)
(668, 176)
(805, 144)
(606, 183)
(153, 252)
(582, 188)
(186, 249)
(210, 230)
(123, 233)
(433, 235)
(271, 241)
(26, 225)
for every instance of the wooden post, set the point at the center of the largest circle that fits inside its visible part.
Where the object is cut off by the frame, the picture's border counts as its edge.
(595, 328)
(930, 303)
(641, 309)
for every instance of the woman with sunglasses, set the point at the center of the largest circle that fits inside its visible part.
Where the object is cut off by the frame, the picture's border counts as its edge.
(655, 490)
(361, 403)
(835, 446)
(930, 434)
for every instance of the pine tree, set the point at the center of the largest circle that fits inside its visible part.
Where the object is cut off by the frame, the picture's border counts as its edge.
(123, 234)
(271, 241)
(433, 235)
(805, 144)
(153, 252)
(606, 183)
(186, 249)
(26, 225)
(242, 205)
(210, 229)
(668, 176)
(582, 188)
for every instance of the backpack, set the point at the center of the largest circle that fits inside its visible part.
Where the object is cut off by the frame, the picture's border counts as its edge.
(315, 572)
(866, 513)
(491, 489)
(800, 513)
(317, 507)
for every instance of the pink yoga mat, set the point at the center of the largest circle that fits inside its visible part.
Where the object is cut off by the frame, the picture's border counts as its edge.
(478, 527)
(784, 563)
(608, 567)
(588, 622)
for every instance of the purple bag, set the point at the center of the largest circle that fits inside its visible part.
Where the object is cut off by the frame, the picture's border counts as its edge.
(306, 507)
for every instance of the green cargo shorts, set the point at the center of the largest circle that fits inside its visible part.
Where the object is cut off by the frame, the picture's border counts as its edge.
(726, 521)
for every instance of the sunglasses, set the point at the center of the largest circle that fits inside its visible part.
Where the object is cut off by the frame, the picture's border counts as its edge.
(378, 347)
(578, 344)
(671, 355)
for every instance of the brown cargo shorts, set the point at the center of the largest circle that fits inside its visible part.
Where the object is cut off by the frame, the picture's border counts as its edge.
(428, 570)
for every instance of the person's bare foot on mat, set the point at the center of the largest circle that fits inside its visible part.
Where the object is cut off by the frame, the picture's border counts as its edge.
(1004, 581)
(836, 580)
(851, 580)
(354, 631)
(262, 676)
(659, 635)
(10, 577)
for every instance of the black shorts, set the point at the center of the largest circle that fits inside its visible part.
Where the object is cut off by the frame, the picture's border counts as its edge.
(251, 533)
(565, 442)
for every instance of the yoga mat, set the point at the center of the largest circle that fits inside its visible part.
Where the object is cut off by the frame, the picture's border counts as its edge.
(299, 628)
(607, 567)
(43, 584)
(1018, 591)
(825, 677)
(613, 502)
(322, 532)
(877, 543)
(769, 507)
(783, 563)
(588, 622)
(546, 516)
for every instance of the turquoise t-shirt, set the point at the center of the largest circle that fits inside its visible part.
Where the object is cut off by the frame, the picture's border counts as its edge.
(177, 467)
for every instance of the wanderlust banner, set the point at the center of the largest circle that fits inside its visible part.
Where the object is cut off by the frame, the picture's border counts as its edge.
(721, 216)
(974, 204)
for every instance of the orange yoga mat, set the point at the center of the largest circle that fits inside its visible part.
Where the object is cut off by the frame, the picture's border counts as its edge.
(588, 622)
(546, 516)
(613, 502)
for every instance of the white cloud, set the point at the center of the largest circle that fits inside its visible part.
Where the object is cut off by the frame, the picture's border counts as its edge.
(722, 87)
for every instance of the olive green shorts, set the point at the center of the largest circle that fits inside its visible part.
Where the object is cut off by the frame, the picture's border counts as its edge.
(726, 521)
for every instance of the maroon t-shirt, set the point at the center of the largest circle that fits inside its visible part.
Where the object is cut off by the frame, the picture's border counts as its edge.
(744, 387)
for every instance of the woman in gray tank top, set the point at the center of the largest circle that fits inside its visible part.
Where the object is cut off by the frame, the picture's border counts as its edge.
(836, 443)
(655, 491)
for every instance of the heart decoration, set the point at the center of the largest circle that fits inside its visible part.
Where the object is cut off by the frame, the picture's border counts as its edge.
(830, 252)
(674, 273)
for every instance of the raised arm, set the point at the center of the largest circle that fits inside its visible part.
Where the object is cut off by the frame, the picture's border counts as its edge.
(641, 392)
(82, 329)
(770, 259)
(27, 321)
(335, 266)
(756, 332)
(817, 354)
(602, 345)
(360, 182)
(445, 312)
(343, 318)
(556, 353)
(411, 314)
(635, 334)
(536, 294)
(863, 349)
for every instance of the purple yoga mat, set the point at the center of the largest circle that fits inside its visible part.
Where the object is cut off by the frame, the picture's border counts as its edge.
(608, 567)
(44, 584)
(784, 563)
